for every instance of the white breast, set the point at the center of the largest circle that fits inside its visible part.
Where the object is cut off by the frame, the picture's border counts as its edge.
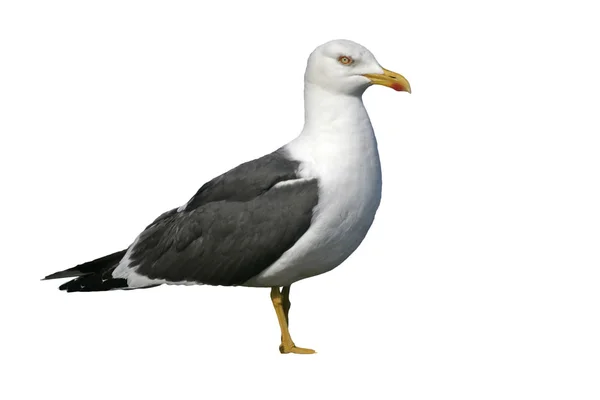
(346, 163)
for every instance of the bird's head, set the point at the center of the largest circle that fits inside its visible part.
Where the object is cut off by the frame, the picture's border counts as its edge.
(343, 66)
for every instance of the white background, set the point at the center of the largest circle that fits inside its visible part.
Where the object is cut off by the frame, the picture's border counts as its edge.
(479, 279)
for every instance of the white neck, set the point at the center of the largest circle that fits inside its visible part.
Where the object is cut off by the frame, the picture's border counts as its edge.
(337, 138)
(325, 111)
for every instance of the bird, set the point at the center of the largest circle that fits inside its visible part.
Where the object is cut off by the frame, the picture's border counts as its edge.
(295, 213)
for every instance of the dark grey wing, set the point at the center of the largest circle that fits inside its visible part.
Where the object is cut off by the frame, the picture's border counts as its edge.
(242, 183)
(235, 227)
(247, 180)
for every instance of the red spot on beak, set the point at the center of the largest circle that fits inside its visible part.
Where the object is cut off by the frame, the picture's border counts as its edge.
(397, 87)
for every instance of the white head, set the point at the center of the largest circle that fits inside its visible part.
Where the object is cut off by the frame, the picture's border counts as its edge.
(346, 67)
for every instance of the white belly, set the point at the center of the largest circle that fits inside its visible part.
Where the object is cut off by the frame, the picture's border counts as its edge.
(349, 174)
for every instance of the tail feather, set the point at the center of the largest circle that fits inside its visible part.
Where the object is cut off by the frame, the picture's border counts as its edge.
(92, 276)
(90, 267)
(94, 283)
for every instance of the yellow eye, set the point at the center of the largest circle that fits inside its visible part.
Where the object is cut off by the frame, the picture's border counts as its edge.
(345, 60)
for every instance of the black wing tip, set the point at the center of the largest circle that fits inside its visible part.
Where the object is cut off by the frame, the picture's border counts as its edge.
(62, 274)
(93, 283)
(90, 267)
(70, 287)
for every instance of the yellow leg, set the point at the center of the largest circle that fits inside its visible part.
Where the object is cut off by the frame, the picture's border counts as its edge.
(285, 294)
(287, 344)
(285, 303)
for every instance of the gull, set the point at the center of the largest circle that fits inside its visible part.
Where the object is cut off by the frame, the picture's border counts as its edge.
(292, 214)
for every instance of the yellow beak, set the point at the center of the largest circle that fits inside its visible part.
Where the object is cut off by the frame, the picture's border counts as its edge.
(390, 79)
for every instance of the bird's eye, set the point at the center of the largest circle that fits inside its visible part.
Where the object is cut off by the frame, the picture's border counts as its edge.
(345, 60)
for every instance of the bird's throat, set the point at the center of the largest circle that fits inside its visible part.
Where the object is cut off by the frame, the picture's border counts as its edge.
(333, 112)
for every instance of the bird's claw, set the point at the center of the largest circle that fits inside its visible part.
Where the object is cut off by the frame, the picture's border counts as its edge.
(283, 349)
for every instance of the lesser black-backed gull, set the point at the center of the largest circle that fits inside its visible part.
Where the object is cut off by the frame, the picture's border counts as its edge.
(291, 214)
